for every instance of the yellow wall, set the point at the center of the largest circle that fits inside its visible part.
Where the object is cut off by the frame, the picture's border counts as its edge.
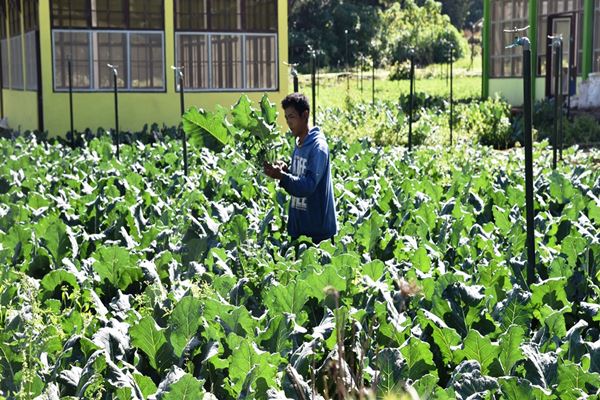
(93, 110)
(20, 109)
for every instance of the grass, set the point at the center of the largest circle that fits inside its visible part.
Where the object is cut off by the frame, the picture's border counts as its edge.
(334, 88)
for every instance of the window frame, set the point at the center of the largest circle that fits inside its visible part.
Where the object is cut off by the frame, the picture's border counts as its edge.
(242, 35)
(497, 26)
(90, 25)
(208, 18)
(92, 57)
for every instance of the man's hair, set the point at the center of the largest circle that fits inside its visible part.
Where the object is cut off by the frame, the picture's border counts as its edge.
(296, 100)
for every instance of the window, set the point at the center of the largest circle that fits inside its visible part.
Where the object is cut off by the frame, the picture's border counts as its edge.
(192, 52)
(506, 14)
(549, 7)
(16, 48)
(73, 46)
(108, 14)
(31, 25)
(71, 14)
(261, 15)
(191, 15)
(232, 61)
(146, 60)
(4, 48)
(260, 61)
(126, 33)
(138, 55)
(226, 15)
(597, 37)
(227, 44)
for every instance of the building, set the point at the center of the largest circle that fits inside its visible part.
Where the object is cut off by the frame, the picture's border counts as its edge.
(227, 47)
(577, 20)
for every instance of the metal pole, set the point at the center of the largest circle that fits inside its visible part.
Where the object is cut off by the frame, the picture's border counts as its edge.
(373, 83)
(115, 89)
(412, 93)
(451, 93)
(529, 199)
(182, 107)
(560, 101)
(71, 102)
(362, 60)
(347, 64)
(313, 84)
(557, 90)
(295, 81)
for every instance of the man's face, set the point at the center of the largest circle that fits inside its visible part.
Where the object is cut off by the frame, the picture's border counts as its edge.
(295, 121)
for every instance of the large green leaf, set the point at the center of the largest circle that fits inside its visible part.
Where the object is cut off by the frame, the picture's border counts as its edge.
(247, 359)
(290, 298)
(186, 388)
(150, 338)
(510, 350)
(269, 110)
(243, 114)
(479, 348)
(418, 357)
(206, 129)
(116, 265)
(184, 323)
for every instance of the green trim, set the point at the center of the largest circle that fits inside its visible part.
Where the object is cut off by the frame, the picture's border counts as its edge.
(588, 38)
(486, 42)
(532, 34)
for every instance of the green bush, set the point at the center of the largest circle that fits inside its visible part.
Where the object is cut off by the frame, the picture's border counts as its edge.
(489, 122)
(424, 29)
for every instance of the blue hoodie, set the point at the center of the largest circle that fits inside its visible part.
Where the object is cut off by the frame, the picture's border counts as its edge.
(312, 208)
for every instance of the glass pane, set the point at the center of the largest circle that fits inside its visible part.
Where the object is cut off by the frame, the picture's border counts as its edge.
(76, 47)
(16, 63)
(190, 15)
(31, 65)
(109, 48)
(5, 61)
(225, 15)
(30, 15)
(260, 62)
(192, 54)
(70, 14)
(146, 57)
(226, 53)
(109, 13)
(14, 21)
(146, 14)
(260, 15)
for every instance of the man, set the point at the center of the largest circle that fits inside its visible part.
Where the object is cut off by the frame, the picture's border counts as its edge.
(312, 209)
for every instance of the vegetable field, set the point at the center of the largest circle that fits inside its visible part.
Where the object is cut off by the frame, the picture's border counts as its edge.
(128, 280)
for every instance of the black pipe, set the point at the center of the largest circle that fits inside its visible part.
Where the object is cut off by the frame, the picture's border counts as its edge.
(412, 95)
(116, 110)
(560, 101)
(362, 61)
(314, 94)
(529, 199)
(373, 83)
(557, 89)
(183, 138)
(451, 93)
(295, 74)
(347, 64)
(70, 72)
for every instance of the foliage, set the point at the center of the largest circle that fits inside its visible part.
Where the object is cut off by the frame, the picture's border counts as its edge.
(127, 280)
(424, 29)
(579, 129)
(489, 121)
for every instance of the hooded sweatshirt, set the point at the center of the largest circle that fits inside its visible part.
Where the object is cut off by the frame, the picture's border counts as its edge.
(312, 209)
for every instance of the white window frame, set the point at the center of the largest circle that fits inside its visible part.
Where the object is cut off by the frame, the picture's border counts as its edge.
(243, 36)
(92, 54)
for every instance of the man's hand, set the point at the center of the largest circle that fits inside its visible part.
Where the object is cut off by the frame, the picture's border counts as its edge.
(276, 170)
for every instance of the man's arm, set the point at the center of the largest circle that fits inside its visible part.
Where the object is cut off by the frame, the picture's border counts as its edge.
(304, 186)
